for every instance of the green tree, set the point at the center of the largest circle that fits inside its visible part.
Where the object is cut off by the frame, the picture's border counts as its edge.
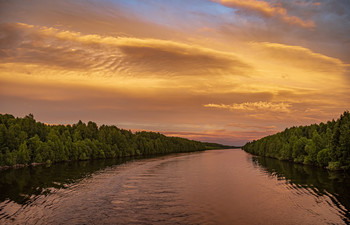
(299, 150)
(323, 157)
(34, 145)
(10, 158)
(56, 146)
(23, 140)
(286, 152)
(28, 125)
(92, 130)
(344, 141)
(318, 141)
(326, 144)
(13, 141)
(311, 157)
(23, 156)
(3, 135)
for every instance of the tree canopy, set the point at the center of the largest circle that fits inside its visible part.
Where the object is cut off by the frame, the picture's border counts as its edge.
(324, 144)
(26, 141)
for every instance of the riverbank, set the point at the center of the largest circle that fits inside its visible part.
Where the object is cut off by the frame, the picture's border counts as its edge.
(325, 145)
(28, 142)
(49, 163)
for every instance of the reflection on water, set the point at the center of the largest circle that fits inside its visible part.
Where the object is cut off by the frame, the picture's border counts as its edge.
(24, 184)
(316, 181)
(211, 187)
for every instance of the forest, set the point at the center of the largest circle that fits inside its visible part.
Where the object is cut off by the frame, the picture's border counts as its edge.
(25, 141)
(326, 144)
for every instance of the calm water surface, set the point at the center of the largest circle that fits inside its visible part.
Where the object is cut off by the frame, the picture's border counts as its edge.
(211, 187)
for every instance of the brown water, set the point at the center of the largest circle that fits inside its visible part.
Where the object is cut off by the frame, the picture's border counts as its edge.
(211, 187)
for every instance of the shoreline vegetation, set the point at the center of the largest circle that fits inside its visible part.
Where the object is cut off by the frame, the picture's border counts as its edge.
(26, 142)
(324, 145)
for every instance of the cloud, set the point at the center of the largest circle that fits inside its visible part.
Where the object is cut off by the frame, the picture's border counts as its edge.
(266, 9)
(124, 56)
(23, 43)
(253, 106)
(300, 64)
(297, 51)
(89, 17)
(304, 3)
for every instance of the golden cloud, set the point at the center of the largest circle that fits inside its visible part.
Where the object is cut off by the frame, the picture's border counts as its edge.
(301, 63)
(268, 10)
(253, 106)
(123, 56)
(299, 50)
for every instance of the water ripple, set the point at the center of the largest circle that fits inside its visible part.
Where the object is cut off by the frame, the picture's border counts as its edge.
(213, 187)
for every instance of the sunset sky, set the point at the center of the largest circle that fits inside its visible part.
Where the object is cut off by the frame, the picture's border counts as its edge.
(225, 71)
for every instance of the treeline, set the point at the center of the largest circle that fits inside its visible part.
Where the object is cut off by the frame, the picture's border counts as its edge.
(325, 144)
(25, 141)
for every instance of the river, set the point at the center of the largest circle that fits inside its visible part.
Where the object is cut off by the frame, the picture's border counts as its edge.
(209, 187)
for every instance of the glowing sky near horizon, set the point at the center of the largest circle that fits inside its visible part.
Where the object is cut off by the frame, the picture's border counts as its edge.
(225, 71)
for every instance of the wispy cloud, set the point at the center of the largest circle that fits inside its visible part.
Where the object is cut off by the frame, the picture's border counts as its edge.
(254, 106)
(297, 51)
(268, 10)
(117, 55)
(300, 59)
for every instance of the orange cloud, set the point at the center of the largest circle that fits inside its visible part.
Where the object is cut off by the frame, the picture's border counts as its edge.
(252, 106)
(294, 50)
(300, 64)
(122, 56)
(268, 10)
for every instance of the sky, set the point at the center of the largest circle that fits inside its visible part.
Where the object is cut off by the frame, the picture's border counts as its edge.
(225, 71)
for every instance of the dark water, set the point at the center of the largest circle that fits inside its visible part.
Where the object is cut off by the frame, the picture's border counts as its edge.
(211, 187)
